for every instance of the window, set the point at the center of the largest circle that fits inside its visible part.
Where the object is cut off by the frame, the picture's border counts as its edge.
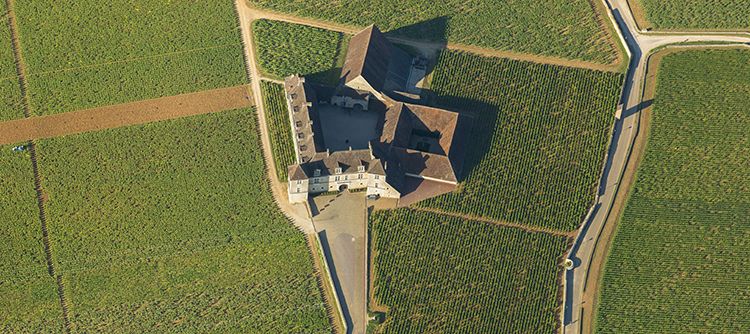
(298, 190)
(359, 176)
(361, 168)
(377, 177)
(338, 170)
(337, 178)
(376, 185)
(299, 181)
(316, 181)
(346, 177)
(317, 172)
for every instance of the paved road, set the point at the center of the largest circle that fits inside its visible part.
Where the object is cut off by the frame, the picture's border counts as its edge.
(340, 221)
(640, 45)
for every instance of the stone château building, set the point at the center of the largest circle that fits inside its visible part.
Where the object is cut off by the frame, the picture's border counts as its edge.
(414, 142)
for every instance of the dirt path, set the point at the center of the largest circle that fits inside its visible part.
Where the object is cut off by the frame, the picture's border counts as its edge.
(297, 213)
(431, 48)
(124, 114)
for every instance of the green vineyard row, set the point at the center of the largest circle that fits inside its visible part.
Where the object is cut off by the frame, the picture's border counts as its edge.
(539, 138)
(279, 127)
(680, 259)
(443, 274)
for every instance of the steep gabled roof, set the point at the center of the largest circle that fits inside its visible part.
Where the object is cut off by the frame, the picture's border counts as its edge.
(368, 55)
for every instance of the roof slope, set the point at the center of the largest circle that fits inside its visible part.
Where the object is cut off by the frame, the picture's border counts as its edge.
(368, 55)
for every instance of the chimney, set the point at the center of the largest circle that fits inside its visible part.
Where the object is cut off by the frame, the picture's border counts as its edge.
(350, 147)
(385, 165)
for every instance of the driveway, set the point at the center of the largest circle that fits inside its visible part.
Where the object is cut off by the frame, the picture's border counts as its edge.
(340, 221)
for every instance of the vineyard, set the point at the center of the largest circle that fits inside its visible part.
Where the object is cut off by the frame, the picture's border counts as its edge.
(442, 274)
(539, 138)
(85, 55)
(557, 28)
(701, 14)
(62, 34)
(679, 259)
(171, 225)
(30, 302)
(7, 58)
(287, 48)
(135, 80)
(279, 127)
(11, 100)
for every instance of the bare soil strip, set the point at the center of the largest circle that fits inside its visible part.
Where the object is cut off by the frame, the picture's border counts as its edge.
(571, 234)
(125, 114)
(432, 47)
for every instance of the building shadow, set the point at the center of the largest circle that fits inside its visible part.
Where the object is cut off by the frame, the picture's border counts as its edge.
(433, 30)
(324, 243)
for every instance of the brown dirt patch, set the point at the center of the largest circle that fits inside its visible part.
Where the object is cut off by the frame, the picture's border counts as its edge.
(125, 114)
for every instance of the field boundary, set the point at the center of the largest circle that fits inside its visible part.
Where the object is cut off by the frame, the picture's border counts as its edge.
(20, 66)
(41, 198)
(571, 234)
(434, 46)
(163, 108)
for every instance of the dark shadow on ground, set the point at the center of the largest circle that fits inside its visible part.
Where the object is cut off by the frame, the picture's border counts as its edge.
(324, 242)
(433, 30)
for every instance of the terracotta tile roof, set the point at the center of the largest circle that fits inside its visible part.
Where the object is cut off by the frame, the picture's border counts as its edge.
(427, 165)
(348, 161)
(297, 173)
(368, 55)
(308, 132)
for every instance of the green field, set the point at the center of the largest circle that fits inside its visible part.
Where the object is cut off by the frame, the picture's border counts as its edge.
(285, 48)
(279, 128)
(102, 85)
(699, 14)
(7, 58)
(159, 227)
(30, 302)
(679, 259)
(67, 34)
(11, 100)
(85, 55)
(441, 274)
(558, 28)
(538, 142)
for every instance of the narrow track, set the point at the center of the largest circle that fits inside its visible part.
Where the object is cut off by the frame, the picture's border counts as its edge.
(620, 153)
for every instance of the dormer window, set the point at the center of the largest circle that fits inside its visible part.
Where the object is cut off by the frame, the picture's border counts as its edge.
(361, 168)
(294, 96)
(316, 172)
(298, 123)
(295, 108)
(338, 170)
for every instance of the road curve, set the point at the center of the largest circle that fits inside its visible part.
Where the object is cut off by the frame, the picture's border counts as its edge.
(625, 130)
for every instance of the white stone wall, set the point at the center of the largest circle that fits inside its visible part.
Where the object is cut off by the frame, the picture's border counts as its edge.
(348, 102)
(298, 191)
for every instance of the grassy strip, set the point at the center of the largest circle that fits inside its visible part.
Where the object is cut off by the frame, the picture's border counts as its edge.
(287, 48)
(60, 34)
(11, 100)
(444, 274)
(102, 85)
(279, 128)
(30, 302)
(558, 28)
(699, 14)
(678, 262)
(538, 142)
